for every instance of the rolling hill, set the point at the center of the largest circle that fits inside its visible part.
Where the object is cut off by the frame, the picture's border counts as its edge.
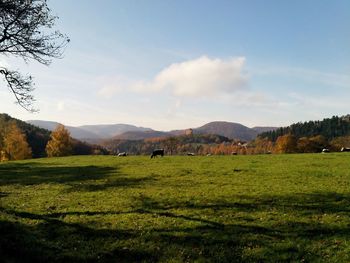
(75, 132)
(95, 133)
(228, 129)
(91, 132)
(111, 130)
(141, 135)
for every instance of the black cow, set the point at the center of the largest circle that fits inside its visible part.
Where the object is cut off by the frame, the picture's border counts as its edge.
(157, 152)
(345, 149)
(122, 154)
(190, 154)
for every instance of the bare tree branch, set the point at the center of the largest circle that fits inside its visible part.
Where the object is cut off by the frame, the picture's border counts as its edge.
(21, 87)
(25, 32)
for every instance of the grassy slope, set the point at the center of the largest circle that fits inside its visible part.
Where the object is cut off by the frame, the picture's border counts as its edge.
(266, 208)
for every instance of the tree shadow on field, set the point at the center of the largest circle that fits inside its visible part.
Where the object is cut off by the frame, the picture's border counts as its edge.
(77, 178)
(275, 240)
(37, 173)
(216, 231)
(53, 240)
(193, 232)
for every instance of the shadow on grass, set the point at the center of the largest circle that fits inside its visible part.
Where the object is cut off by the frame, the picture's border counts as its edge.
(308, 204)
(37, 173)
(115, 182)
(53, 240)
(196, 234)
(76, 178)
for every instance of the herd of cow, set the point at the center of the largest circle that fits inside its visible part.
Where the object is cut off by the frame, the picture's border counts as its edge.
(155, 153)
(343, 149)
(160, 152)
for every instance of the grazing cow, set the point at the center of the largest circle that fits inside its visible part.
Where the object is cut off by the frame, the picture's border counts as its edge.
(122, 154)
(209, 154)
(345, 149)
(157, 152)
(234, 153)
(190, 154)
(325, 150)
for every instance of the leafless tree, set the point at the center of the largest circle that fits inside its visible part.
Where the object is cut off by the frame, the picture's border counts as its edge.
(26, 32)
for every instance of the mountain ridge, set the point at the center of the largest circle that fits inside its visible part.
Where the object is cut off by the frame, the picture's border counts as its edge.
(90, 132)
(95, 132)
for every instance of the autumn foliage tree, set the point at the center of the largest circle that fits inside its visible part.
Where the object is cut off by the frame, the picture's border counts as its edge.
(286, 144)
(60, 143)
(261, 146)
(171, 144)
(304, 145)
(14, 145)
(340, 142)
(312, 144)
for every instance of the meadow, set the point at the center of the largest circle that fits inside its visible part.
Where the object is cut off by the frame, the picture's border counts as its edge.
(262, 208)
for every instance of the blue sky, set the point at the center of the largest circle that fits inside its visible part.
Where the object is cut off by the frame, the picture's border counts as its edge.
(180, 64)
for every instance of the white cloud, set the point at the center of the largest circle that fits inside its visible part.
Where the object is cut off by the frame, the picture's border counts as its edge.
(202, 77)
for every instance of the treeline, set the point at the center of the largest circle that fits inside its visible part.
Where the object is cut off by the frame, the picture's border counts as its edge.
(329, 128)
(194, 143)
(20, 140)
(309, 137)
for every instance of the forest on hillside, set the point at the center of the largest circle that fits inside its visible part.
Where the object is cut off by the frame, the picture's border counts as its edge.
(329, 128)
(20, 140)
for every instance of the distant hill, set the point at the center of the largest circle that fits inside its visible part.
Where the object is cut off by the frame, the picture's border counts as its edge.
(48, 125)
(140, 135)
(228, 129)
(75, 132)
(95, 133)
(111, 130)
(91, 132)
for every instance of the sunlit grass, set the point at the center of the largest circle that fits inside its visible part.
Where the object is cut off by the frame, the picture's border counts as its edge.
(267, 208)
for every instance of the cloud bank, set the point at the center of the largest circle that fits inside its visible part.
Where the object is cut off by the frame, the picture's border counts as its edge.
(203, 77)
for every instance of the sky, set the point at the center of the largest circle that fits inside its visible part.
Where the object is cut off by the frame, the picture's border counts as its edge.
(167, 64)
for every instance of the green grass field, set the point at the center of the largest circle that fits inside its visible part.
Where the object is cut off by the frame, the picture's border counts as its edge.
(263, 208)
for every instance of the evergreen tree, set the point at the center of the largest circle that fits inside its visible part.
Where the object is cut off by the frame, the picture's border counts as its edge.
(329, 128)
